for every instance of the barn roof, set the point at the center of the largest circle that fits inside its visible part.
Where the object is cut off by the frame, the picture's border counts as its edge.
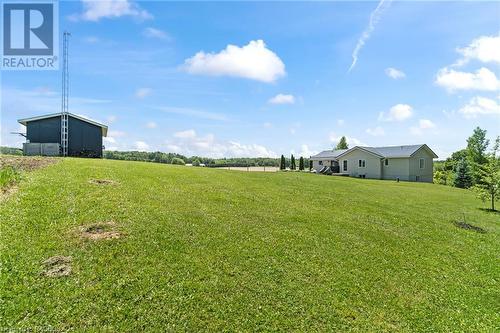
(52, 115)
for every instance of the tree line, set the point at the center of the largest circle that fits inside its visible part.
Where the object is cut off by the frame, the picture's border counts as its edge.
(173, 158)
(477, 167)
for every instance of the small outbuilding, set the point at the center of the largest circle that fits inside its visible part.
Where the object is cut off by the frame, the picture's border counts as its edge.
(43, 135)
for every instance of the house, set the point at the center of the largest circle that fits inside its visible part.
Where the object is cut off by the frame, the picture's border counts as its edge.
(410, 163)
(43, 135)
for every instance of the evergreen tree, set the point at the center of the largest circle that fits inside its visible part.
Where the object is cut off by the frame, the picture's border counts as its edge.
(301, 163)
(463, 177)
(342, 143)
(292, 163)
(282, 163)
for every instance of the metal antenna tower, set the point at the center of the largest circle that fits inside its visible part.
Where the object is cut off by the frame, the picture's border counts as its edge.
(65, 93)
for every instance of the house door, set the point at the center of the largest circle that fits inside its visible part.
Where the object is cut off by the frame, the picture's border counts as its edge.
(344, 165)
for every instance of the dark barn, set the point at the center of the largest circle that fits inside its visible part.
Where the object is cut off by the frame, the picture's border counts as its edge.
(84, 135)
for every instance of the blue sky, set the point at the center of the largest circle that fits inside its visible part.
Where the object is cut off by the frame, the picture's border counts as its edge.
(164, 76)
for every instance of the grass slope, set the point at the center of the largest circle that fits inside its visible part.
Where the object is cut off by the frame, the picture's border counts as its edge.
(211, 250)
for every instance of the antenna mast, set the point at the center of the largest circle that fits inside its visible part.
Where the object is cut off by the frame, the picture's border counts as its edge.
(65, 93)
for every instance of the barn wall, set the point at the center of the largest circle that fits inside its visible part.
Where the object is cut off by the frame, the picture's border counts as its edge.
(44, 130)
(84, 139)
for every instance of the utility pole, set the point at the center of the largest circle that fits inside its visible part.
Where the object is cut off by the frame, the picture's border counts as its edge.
(65, 94)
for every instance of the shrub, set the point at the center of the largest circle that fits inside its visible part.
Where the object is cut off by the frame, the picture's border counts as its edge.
(178, 161)
(8, 177)
(196, 162)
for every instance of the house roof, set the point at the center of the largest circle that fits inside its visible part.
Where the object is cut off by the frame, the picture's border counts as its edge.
(328, 154)
(104, 128)
(382, 152)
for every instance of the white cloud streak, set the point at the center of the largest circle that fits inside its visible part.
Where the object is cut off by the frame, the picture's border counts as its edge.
(193, 113)
(375, 17)
(156, 33)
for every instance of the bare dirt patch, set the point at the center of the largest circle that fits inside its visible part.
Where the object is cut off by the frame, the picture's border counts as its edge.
(26, 163)
(57, 266)
(103, 182)
(467, 226)
(100, 231)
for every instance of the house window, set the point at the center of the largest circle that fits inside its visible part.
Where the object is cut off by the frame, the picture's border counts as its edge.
(362, 163)
(320, 162)
(344, 165)
(421, 163)
(386, 162)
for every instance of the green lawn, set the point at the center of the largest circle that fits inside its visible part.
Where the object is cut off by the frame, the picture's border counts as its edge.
(214, 250)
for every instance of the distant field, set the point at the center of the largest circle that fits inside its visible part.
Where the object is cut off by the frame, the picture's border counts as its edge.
(254, 169)
(155, 247)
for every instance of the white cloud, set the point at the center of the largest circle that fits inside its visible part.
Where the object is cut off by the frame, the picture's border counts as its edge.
(394, 73)
(95, 10)
(267, 125)
(282, 99)
(187, 134)
(109, 139)
(479, 106)
(334, 138)
(377, 131)
(188, 142)
(398, 112)
(151, 124)
(423, 125)
(141, 146)
(192, 113)
(143, 92)
(485, 49)
(111, 118)
(482, 79)
(253, 61)
(340, 122)
(305, 151)
(117, 134)
(91, 39)
(426, 124)
(156, 33)
(375, 17)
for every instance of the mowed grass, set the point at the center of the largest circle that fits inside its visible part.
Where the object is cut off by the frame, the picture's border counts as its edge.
(215, 250)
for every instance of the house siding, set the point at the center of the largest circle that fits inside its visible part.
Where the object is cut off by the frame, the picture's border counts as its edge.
(397, 168)
(372, 169)
(317, 166)
(425, 174)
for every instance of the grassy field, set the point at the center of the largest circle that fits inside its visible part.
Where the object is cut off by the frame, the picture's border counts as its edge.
(198, 249)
